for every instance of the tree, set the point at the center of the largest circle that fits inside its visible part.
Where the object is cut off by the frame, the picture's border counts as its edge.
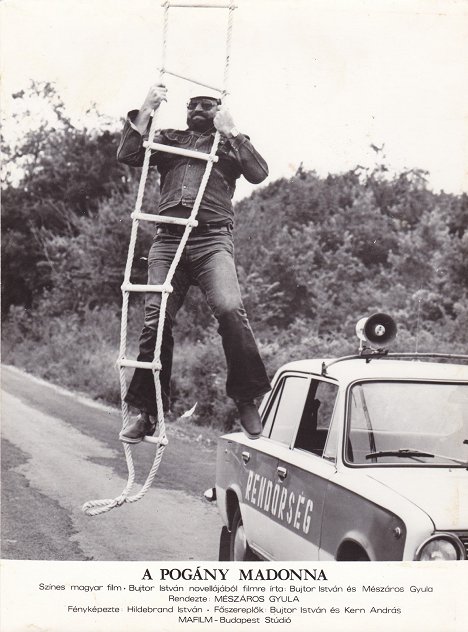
(85, 264)
(338, 248)
(55, 173)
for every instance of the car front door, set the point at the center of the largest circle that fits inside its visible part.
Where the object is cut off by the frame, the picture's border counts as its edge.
(263, 508)
(304, 477)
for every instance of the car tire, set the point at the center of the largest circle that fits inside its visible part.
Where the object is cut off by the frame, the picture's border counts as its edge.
(356, 554)
(361, 557)
(239, 549)
(224, 545)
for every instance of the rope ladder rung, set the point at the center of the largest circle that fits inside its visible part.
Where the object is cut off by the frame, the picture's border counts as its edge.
(197, 5)
(165, 219)
(138, 287)
(181, 152)
(199, 83)
(139, 364)
(159, 440)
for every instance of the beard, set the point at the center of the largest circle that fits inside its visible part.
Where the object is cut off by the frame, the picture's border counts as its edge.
(199, 123)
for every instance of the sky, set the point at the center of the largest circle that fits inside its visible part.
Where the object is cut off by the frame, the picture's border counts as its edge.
(315, 82)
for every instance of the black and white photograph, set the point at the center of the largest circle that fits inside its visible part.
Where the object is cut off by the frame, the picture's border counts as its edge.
(234, 315)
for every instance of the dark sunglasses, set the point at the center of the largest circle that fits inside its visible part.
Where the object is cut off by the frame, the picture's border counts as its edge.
(206, 105)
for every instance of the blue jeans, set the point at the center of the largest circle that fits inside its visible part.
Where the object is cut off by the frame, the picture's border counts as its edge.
(207, 261)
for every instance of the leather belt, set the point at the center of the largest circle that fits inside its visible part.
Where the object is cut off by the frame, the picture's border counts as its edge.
(201, 229)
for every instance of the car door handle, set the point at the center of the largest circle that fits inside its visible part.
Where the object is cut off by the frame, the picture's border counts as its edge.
(282, 472)
(246, 457)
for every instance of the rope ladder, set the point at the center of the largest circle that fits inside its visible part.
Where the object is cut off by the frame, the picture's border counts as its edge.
(95, 507)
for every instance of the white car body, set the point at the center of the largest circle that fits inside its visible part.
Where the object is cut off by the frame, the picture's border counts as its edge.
(341, 500)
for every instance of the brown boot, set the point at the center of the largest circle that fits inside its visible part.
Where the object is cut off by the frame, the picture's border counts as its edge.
(250, 419)
(143, 425)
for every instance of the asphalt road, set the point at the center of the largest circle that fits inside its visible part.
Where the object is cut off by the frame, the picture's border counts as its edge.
(60, 450)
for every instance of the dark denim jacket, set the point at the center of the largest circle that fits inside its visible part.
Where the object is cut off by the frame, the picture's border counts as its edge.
(180, 176)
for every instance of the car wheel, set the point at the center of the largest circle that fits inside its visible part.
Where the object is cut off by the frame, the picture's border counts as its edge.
(361, 557)
(239, 550)
(353, 554)
(224, 545)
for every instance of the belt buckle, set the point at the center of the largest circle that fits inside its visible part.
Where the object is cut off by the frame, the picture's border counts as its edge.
(169, 229)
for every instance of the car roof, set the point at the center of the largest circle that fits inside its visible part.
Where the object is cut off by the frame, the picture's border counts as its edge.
(351, 369)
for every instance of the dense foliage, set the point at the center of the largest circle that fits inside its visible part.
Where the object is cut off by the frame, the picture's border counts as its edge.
(314, 255)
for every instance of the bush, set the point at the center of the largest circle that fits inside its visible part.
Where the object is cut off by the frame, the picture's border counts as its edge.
(199, 376)
(77, 352)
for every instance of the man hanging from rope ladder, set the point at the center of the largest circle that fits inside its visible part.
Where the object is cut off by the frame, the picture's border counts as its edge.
(208, 258)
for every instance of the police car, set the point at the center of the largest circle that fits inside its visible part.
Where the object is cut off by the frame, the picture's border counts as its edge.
(361, 458)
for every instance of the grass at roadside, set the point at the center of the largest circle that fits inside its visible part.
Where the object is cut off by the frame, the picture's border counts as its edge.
(80, 354)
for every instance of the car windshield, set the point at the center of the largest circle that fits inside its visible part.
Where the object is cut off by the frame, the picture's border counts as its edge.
(408, 423)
